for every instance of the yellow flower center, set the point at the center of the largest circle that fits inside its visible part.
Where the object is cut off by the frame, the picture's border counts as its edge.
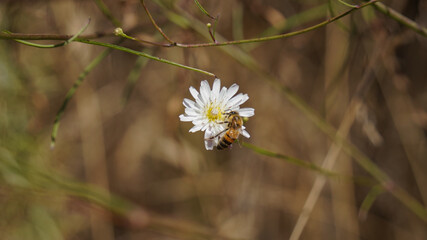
(214, 113)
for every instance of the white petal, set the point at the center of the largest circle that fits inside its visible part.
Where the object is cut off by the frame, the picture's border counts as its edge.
(194, 92)
(209, 133)
(219, 128)
(232, 103)
(196, 128)
(189, 103)
(237, 100)
(192, 112)
(222, 94)
(205, 127)
(199, 105)
(185, 118)
(197, 96)
(246, 112)
(215, 89)
(210, 142)
(205, 91)
(230, 92)
(245, 134)
(233, 108)
(200, 102)
(200, 121)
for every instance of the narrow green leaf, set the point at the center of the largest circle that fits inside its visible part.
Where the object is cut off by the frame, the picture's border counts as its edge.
(128, 50)
(347, 4)
(71, 92)
(52, 45)
(292, 160)
(203, 10)
(369, 200)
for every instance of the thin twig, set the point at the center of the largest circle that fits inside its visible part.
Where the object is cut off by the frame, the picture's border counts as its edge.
(29, 36)
(369, 200)
(53, 45)
(347, 4)
(401, 18)
(204, 10)
(155, 24)
(209, 25)
(128, 50)
(275, 37)
(212, 31)
(119, 32)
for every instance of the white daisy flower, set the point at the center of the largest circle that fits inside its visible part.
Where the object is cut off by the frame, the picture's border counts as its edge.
(210, 109)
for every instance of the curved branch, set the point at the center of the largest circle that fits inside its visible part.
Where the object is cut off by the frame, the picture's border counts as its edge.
(53, 45)
(155, 24)
(275, 37)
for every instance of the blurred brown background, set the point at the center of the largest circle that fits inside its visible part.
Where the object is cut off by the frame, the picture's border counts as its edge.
(136, 147)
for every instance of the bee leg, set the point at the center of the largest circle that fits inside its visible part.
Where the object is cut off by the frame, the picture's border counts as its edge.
(227, 112)
(240, 144)
(216, 135)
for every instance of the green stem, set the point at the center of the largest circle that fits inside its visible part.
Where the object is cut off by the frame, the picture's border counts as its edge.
(292, 160)
(280, 36)
(120, 48)
(254, 40)
(365, 181)
(369, 200)
(53, 45)
(401, 18)
(119, 32)
(203, 10)
(28, 36)
(347, 4)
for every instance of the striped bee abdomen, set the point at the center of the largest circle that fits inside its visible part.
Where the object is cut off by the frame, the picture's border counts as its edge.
(235, 123)
(225, 141)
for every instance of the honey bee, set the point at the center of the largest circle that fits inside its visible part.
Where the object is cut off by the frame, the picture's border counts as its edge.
(234, 127)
